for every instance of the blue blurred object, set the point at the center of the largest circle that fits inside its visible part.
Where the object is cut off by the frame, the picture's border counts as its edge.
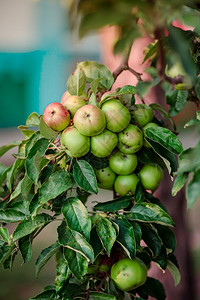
(34, 74)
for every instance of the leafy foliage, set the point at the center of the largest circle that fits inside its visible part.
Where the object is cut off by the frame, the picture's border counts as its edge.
(45, 184)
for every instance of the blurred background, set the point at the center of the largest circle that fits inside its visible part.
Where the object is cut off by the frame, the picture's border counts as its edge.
(37, 55)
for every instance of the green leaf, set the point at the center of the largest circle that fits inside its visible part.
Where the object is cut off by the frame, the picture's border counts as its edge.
(14, 172)
(4, 233)
(100, 17)
(176, 99)
(95, 243)
(78, 263)
(45, 255)
(153, 288)
(96, 162)
(33, 120)
(28, 226)
(93, 100)
(164, 137)
(74, 241)
(5, 252)
(46, 295)
(193, 189)
(161, 258)
(151, 238)
(151, 213)
(11, 215)
(22, 188)
(179, 182)
(166, 155)
(164, 113)
(57, 183)
(25, 247)
(94, 70)
(174, 271)
(189, 159)
(101, 296)
(62, 274)
(4, 173)
(77, 81)
(151, 50)
(46, 131)
(143, 87)
(76, 216)
(137, 232)
(126, 236)
(84, 176)
(167, 236)
(106, 233)
(35, 161)
(126, 89)
(114, 205)
(5, 148)
(177, 41)
(26, 132)
(94, 85)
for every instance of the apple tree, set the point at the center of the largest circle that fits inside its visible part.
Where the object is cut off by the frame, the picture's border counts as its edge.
(100, 137)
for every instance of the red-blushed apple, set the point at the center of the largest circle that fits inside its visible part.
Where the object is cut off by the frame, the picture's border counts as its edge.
(64, 96)
(123, 164)
(117, 115)
(130, 139)
(142, 114)
(73, 103)
(74, 143)
(126, 184)
(56, 116)
(103, 144)
(89, 120)
(151, 176)
(105, 178)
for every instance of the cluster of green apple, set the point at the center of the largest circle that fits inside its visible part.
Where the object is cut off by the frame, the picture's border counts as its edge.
(112, 131)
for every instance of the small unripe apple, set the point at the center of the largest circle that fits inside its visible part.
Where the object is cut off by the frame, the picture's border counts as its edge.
(122, 163)
(105, 178)
(130, 139)
(89, 120)
(126, 184)
(56, 116)
(129, 274)
(103, 144)
(142, 114)
(73, 103)
(151, 176)
(117, 115)
(148, 125)
(74, 143)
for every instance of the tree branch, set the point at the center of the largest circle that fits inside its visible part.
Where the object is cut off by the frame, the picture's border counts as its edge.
(125, 66)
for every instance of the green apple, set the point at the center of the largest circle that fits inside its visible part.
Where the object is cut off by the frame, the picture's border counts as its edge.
(151, 176)
(74, 143)
(89, 120)
(105, 178)
(117, 115)
(103, 144)
(56, 116)
(126, 184)
(123, 164)
(148, 125)
(130, 139)
(73, 103)
(129, 274)
(142, 114)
